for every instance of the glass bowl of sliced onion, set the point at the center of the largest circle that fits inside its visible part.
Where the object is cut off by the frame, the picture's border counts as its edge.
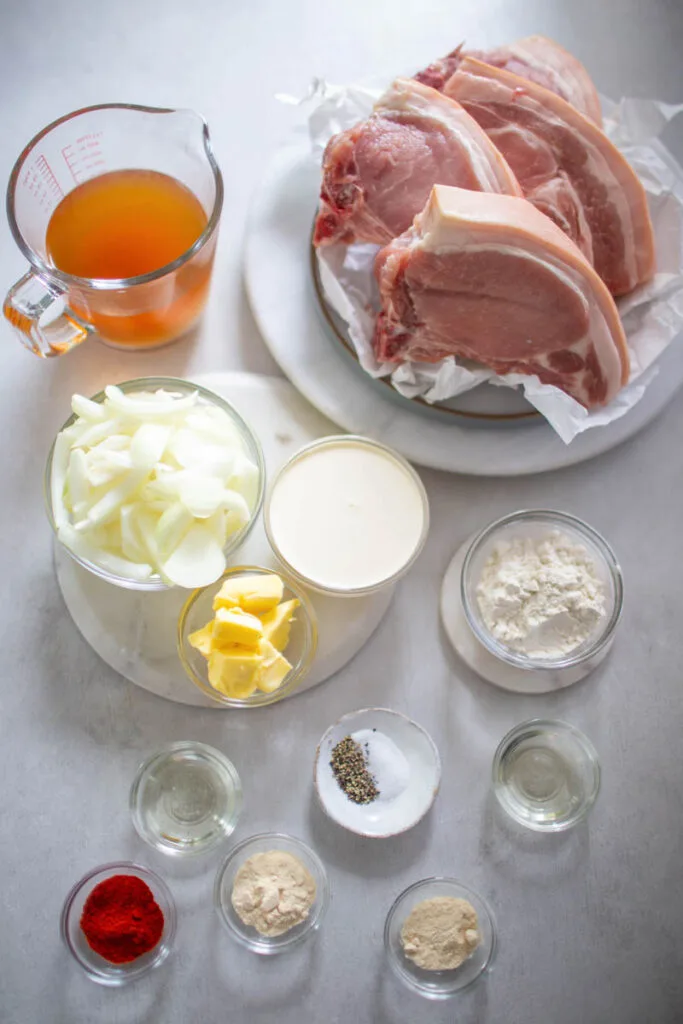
(153, 483)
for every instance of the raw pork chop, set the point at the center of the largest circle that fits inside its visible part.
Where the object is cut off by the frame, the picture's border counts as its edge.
(489, 278)
(535, 58)
(378, 174)
(567, 167)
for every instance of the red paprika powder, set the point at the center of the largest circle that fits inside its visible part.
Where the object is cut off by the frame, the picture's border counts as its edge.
(121, 920)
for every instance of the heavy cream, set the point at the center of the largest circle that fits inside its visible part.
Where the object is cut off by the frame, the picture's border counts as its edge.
(347, 515)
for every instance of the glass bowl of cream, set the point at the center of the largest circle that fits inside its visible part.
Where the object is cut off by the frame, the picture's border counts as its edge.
(542, 592)
(347, 516)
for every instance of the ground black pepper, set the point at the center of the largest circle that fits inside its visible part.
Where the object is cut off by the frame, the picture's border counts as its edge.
(351, 772)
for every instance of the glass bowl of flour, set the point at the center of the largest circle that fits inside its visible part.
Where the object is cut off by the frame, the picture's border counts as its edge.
(542, 591)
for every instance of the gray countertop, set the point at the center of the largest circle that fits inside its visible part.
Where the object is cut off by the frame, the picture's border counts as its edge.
(589, 922)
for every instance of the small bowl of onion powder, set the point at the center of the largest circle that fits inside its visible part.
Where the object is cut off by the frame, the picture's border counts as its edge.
(439, 937)
(532, 602)
(271, 892)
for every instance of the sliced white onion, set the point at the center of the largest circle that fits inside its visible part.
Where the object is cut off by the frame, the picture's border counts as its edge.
(201, 495)
(146, 405)
(152, 482)
(96, 432)
(115, 443)
(197, 561)
(173, 524)
(77, 481)
(215, 424)
(191, 450)
(112, 563)
(147, 445)
(217, 524)
(79, 512)
(60, 462)
(245, 479)
(164, 488)
(110, 504)
(146, 521)
(107, 537)
(234, 503)
(86, 409)
(131, 543)
(104, 466)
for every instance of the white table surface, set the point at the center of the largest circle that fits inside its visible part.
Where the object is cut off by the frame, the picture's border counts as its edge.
(590, 922)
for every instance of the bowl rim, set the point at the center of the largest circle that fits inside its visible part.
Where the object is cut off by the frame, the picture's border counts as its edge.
(212, 753)
(332, 440)
(394, 960)
(155, 582)
(298, 673)
(280, 943)
(583, 742)
(118, 974)
(409, 721)
(596, 542)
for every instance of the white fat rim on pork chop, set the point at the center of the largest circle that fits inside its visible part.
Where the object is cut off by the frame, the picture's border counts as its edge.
(480, 90)
(554, 58)
(406, 97)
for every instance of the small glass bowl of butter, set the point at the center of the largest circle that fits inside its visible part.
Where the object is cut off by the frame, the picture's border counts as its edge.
(223, 652)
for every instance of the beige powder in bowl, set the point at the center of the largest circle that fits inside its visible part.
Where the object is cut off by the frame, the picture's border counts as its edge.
(273, 892)
(440, 934)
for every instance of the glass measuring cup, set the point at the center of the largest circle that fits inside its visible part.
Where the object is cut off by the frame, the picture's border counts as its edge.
(53, 311)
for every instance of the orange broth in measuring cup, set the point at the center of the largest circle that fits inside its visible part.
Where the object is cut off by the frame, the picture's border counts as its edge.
(122, 224)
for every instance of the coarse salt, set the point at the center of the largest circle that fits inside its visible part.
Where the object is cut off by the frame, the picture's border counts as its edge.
(385, 761)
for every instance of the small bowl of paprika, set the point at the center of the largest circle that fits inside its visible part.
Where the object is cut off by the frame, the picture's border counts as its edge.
(119, 922)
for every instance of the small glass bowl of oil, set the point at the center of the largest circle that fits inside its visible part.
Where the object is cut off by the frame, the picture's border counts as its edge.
(546, 775)
(186, 798)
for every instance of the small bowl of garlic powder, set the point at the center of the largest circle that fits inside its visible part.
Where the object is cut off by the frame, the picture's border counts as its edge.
(541, 595)
(271, 892)
(439, 937)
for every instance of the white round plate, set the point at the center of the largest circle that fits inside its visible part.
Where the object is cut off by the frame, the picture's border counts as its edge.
(280, 285)
(383, 817)
(135, 632)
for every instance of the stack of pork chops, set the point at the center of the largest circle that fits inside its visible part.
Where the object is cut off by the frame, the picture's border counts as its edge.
(507, 219)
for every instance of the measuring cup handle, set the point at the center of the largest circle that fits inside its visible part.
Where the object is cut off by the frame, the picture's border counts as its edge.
(39, 314)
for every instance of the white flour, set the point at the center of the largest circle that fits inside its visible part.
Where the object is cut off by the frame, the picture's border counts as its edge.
(541, 596)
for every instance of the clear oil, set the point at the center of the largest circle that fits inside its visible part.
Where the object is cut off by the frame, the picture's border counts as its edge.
(188, 801)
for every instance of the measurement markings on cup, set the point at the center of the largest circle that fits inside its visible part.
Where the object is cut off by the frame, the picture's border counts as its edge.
(84, 157)
(39, 179)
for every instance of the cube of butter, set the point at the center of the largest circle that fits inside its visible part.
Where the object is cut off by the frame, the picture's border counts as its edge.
(255, 594)
(274, 668)
(202, 639)
(233, 626)
(277, 623)
(234, 671)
